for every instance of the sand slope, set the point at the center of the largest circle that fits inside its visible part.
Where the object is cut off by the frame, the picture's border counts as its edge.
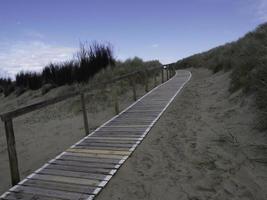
(205, 146)
(43, 134)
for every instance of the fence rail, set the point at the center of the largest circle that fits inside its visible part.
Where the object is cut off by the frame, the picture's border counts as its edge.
(8, 117)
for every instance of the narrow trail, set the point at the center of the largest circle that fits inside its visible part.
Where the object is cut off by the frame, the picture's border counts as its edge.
(84, 169)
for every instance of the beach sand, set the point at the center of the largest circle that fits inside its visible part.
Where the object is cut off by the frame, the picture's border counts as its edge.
(205, 146)
(43, 134)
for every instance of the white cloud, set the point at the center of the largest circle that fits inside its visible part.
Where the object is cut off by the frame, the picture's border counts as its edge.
(261, 10)
(4, 74)
(33, 34)
(33, 55)
(257, 9)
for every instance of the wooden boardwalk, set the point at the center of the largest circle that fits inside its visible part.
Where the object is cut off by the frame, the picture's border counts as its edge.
(85, 168)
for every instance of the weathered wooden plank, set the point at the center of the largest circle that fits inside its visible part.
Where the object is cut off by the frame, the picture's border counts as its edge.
(94, 137)
(80, 169)
(123, 153)
(129, 129)
(51, 193)
(74, 174)
(125, 133)
(103, 141)
(132, 118)
(109, 148)
(71, 180)
(119, 135)
(89, 159)
(137, 133)
(84, 164)
(137, 121)
(105, 145)
(26, 196)
(90, 155)
(128, 122)
(62, 186)
(134, 111)
(125, 126)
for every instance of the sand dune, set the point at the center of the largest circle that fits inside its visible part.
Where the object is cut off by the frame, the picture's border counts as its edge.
(205, 146)
(43, 134)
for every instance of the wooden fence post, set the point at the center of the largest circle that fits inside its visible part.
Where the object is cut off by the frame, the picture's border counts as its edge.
(85, 119)
(115, 99)
(12, 153)
(162, 75)
(166, 73)
(155, 79)
(134, 89)
(146, 81)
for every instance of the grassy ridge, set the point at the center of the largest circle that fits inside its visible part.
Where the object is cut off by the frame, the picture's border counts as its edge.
(247, 60)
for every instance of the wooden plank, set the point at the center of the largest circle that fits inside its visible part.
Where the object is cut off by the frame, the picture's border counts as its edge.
(89, 159)
(125, 126)
(84, 164)
(125, 133)
(120, 135)
(26, 196)
(51, 193)
(124, 129)
(133, 133)
(127, 122)
(71, 180)
(93, 137)
(105, 144)
(90, 155)
(123, 153)
(74, 174)
(133, 118)
(61, 186)
(80, 169)
(102, 148)
(103, 141)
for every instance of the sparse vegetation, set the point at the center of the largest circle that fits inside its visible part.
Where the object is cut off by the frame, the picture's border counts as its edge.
(89, 61)
(6, 86)
(247, 60)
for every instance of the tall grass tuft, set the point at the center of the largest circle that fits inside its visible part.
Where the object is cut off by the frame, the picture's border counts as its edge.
(6, 86)
(90, 59)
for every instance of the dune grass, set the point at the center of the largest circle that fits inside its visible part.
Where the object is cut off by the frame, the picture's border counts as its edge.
(247, 60)
(91, 60)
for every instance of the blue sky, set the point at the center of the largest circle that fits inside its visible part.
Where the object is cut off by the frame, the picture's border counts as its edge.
(34, 33)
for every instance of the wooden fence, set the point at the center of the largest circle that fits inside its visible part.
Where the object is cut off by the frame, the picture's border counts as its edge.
(8, 117)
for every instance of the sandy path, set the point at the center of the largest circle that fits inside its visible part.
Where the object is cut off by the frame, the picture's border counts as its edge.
(203, 147)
